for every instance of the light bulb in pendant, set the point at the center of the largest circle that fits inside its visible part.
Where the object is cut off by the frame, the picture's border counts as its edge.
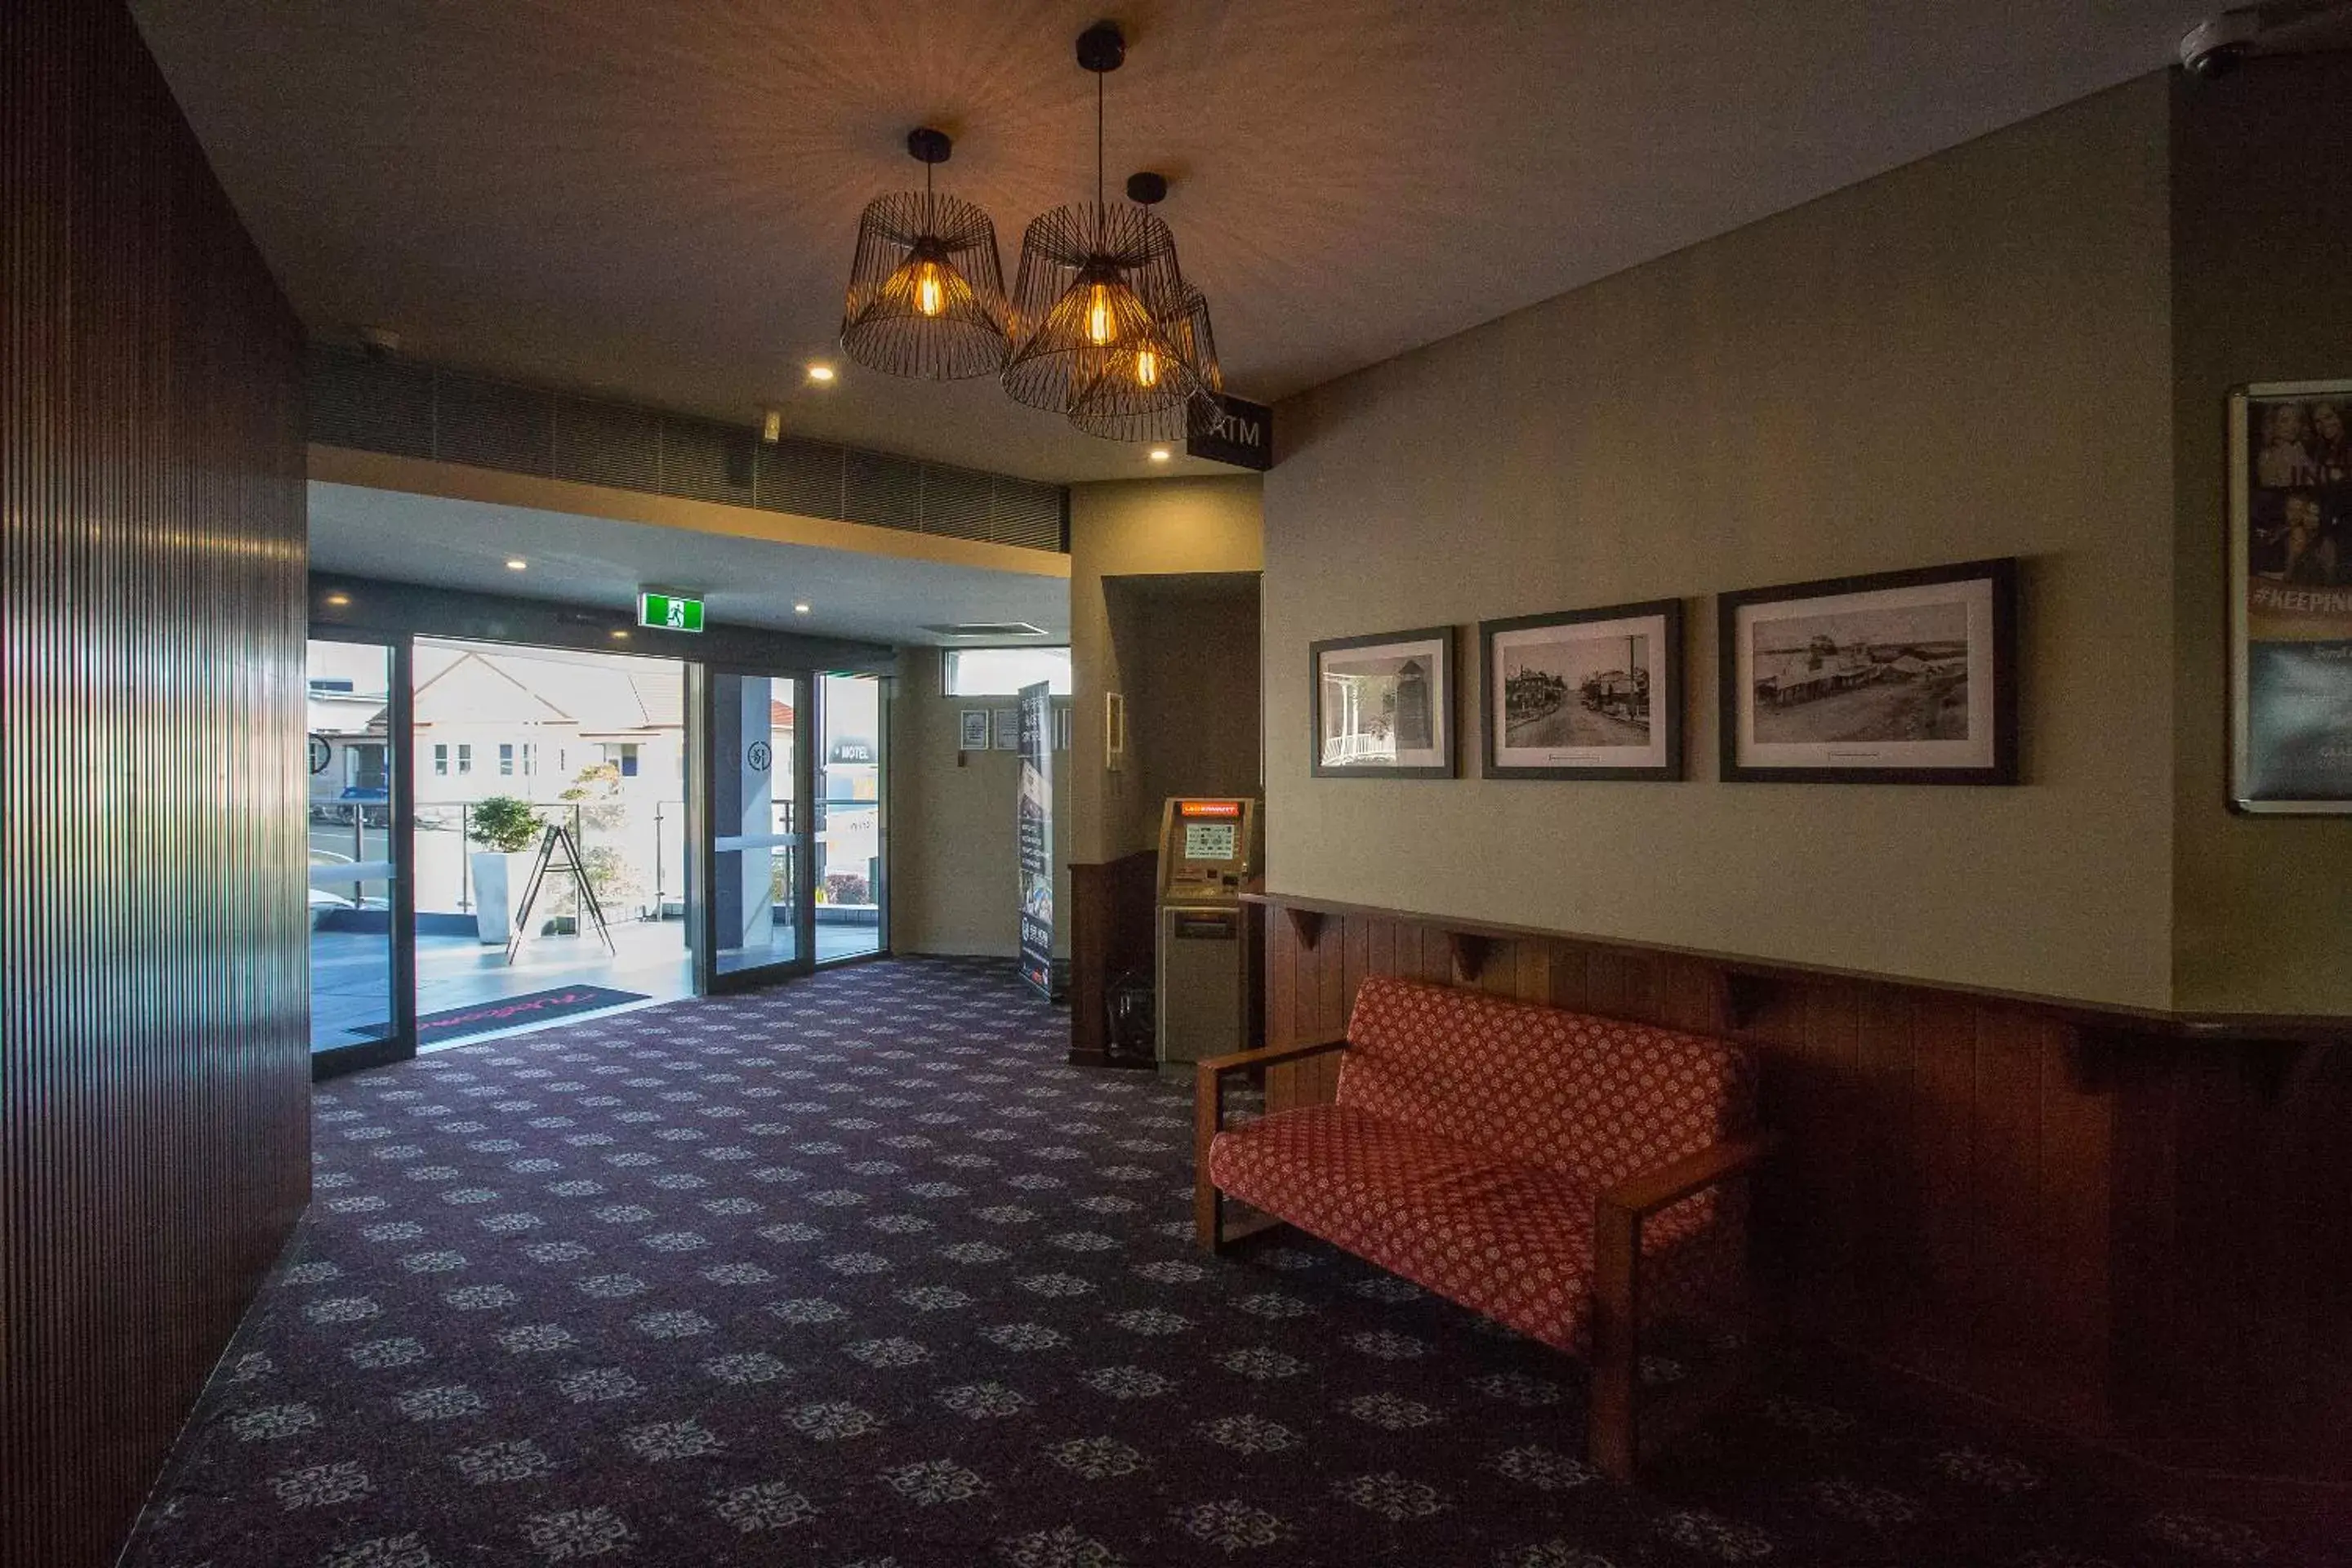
(931, 290)
(1102, 322)
(1147, 368)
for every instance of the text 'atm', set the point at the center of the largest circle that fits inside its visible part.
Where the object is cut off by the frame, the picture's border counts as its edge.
(1208, 852)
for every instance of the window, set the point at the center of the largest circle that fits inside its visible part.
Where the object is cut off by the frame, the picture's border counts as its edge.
(628, 759)
(506, 757)
(528, 766)
(441, 760)
(368, 773)
(465, 759)
(1004, 671)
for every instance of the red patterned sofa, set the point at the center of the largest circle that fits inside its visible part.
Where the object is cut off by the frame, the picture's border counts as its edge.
(1561, 1174)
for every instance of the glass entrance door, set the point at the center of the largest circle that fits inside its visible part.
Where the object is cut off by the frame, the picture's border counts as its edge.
(757, 924)
(850, 890)
(360, 1008)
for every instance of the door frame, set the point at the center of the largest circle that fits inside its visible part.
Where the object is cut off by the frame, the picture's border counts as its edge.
(702, 850)
(885, 690)
(401, 1044)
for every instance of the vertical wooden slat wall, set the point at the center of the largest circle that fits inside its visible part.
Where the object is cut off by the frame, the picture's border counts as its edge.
(154, 1079)
(2161, 1258)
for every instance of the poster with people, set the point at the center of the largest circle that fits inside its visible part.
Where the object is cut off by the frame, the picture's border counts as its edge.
(1035, 840)
(2291, 494)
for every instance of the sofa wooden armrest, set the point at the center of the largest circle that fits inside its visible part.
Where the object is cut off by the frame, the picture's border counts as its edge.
(1618, 1214)
(1668, 1184)
(1210, 1070)
(1209, 1120)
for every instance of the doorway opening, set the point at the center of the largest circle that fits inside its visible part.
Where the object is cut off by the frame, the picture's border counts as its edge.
(550, 791)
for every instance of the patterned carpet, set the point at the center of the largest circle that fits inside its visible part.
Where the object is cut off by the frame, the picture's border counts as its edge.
(856, 1271)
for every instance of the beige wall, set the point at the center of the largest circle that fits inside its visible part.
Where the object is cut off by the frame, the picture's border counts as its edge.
(1188, 649)
(1134, 528)
(1968, 357)
(2262, 291)
(952, 886)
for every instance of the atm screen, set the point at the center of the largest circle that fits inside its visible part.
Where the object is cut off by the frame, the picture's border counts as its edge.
(1210, 840)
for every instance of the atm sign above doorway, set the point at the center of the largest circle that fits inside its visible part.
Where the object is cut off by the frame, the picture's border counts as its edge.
(1238, 432)
(669, 612)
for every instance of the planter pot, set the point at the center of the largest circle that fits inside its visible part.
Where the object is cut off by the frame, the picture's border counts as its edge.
(499, 882)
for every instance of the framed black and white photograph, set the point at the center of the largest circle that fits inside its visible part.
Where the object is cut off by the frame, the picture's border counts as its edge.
(1383, 705)
(1583, 694)
(2291, 597)
(974, 729)
(1897, 677)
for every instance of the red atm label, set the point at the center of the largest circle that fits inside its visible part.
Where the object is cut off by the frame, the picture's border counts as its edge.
(1209, 808)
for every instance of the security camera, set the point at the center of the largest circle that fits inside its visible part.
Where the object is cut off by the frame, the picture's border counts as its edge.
(379, 342)
(2214, 47)
(2219, 45)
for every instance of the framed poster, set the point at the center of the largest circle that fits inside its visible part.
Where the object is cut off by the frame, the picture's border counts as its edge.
(972, 730)
(2291, 597)
(1005, 727)
(1897, 677)
(1583, 694)
(1383, 705)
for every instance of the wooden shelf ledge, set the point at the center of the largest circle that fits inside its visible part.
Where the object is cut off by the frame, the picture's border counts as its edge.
(2288, 1044)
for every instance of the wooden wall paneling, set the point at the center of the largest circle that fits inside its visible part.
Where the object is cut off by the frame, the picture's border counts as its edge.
(1887, 1170)
(1693, 998)
(2161, 1254)
(2077, 1153)
(154, 1062)
(2009, 1314)
(1567, 976)
(1943, 1035)
(2144, 1232)
(1830, 1112)
(1604, 983)
(1284, 955)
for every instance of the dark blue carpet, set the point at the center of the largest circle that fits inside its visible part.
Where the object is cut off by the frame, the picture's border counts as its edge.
(856, 1271)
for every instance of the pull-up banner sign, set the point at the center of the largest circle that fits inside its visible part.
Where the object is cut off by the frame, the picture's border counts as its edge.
(1240, 433)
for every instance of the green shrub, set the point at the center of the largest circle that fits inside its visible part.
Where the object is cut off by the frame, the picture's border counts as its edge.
(504, 824)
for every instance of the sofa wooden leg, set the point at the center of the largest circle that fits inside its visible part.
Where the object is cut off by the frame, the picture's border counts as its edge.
(1612, 1434)
(1208, 1217)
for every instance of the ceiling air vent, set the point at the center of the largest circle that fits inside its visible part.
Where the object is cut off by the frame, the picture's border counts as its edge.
(989, 630)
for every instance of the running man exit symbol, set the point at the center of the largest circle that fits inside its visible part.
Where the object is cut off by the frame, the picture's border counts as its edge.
(669, 612)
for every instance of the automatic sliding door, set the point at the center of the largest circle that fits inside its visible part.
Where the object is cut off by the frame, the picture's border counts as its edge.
(759, 924)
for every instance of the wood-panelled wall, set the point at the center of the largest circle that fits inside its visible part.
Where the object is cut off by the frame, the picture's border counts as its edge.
(154, 1079)
(1111, 914)
(2141, 1241)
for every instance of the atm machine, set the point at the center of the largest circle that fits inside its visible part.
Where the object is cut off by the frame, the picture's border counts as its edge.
(1208, 852)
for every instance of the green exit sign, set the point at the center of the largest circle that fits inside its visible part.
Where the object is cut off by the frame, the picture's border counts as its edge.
(669, 612)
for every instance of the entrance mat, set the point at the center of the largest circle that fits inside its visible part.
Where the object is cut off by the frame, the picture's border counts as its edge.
(507, 1012)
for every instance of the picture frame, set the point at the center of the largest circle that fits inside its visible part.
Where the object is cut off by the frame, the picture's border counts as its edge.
(972, 730)
(1004, 729)
(1583, 694)
(1890, 678)
(1381, 706)
(2289, 479)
